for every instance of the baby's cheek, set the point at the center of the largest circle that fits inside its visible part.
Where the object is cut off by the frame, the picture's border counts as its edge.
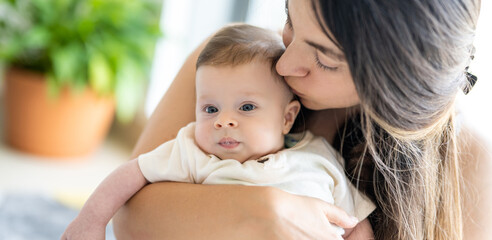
(202, 139)
(271, 138)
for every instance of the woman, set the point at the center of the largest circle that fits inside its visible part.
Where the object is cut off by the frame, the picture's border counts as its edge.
(380, 79)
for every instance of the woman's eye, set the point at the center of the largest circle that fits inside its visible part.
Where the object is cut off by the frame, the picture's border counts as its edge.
(211, 109)
(247, 107)
(323, 66)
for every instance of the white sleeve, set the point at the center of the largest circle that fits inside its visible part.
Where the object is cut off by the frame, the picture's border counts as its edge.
(351, 199)
(169, 161)
(363, 205)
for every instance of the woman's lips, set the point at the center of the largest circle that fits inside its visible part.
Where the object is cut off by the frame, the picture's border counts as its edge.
(228, 143)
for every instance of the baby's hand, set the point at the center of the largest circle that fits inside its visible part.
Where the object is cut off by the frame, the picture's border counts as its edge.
(84, 229)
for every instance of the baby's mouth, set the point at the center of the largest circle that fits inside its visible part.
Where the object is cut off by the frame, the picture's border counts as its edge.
(228, 143)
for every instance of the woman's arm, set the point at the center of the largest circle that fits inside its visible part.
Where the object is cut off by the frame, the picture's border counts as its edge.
(186, 211)
(193, 211)
(476, 158)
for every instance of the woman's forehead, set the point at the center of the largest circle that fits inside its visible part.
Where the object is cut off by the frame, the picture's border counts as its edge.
(307, 27)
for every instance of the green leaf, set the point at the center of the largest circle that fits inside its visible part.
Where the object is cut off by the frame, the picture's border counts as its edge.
(11, 49)
(67, 62)
(129, 90)
(85, 27)
(100, 73)
(37, 37)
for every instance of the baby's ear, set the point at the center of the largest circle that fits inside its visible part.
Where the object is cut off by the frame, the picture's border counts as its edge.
(290, 115)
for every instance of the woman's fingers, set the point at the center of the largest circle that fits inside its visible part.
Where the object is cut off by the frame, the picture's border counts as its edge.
(337, 215)
(304, 217)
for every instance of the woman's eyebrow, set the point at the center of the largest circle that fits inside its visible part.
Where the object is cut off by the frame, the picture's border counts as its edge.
(326, 51)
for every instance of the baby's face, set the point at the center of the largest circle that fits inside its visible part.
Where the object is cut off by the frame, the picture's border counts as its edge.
(240, 111)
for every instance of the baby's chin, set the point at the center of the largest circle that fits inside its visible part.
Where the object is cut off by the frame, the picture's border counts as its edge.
(243, 157)
(223, 156)
(240, 159)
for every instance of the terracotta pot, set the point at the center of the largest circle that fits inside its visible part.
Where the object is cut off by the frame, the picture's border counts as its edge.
(71, 125)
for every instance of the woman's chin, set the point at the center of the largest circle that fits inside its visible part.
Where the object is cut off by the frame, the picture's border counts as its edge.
(316, 106)
(313, 105)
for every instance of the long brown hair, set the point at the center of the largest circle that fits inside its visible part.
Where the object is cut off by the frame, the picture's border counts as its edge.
(407, 60)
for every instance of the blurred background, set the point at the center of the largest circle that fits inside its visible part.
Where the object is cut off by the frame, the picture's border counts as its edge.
(111, 61)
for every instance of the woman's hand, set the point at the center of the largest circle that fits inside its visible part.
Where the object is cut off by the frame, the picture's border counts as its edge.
(193, 211)
(296, 217)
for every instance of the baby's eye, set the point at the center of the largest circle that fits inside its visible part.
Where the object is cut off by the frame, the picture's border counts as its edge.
(211, 109)
(247, 107)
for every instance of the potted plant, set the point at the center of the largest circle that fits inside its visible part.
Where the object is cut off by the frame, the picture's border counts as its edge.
(93, 54)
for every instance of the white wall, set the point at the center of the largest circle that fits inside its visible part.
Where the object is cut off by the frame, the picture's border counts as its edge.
(477, 105)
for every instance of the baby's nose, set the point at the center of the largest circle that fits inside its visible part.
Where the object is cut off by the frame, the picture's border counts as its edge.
(225, 121)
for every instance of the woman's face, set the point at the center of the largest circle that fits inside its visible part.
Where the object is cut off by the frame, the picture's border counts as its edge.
(313, 66)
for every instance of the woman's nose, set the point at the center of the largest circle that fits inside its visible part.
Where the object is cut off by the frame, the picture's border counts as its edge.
(225, 121)
(292, 63)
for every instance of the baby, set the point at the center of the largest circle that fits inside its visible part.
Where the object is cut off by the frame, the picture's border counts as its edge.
(244, 111)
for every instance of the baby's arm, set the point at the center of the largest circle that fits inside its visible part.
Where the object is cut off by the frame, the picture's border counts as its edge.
(109, 196)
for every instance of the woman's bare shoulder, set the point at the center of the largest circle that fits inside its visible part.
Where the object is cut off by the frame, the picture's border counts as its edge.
(474, 144)
(475, 155)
